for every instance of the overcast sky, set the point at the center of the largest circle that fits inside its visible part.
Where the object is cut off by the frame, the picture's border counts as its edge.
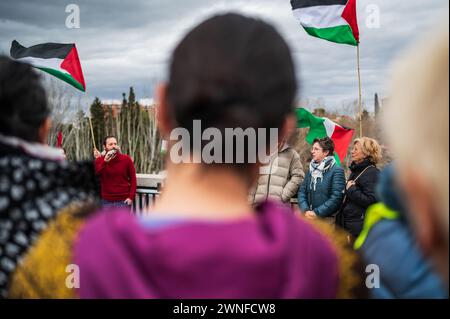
(128, 43)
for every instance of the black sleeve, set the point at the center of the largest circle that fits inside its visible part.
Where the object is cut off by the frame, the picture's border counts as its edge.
(363, 192)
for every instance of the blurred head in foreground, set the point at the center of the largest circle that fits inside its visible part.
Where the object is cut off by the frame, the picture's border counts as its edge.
(224, 74)
(416, 125)
(23, 102)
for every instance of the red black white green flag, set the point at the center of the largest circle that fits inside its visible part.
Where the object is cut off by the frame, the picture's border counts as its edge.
(320, 127)
(332, 20)
(58, 59)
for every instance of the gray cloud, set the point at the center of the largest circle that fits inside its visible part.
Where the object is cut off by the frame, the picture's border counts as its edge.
(128, 43)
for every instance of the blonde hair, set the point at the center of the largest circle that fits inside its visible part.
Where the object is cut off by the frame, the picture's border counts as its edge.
(370, 148)
(416, 119)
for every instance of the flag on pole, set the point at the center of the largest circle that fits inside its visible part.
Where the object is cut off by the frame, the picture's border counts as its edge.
(59, 139)
(332, 20)
(320, 127)
(58, 59)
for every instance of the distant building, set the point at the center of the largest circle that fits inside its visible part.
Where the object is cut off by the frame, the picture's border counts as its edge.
(377, 105)
(116, 105)
(147, 102)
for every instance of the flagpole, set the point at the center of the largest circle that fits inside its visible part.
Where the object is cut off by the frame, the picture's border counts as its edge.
(92, 133)
(359, 92)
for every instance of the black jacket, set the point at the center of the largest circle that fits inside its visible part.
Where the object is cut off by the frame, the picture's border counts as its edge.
(360, 196)
(33, 190)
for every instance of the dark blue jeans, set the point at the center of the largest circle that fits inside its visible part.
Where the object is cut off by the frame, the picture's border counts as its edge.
(115, 204)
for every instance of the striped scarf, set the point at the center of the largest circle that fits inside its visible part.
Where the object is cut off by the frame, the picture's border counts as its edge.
(318, 169)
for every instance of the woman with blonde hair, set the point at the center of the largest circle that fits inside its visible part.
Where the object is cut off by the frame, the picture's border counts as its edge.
(360, 188)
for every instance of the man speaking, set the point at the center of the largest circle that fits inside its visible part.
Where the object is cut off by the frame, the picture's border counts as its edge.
(117, 175)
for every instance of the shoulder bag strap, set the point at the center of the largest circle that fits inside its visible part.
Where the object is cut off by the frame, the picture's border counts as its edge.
(345, 197)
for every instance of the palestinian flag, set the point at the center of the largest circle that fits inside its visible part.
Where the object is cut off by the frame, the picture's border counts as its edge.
(332, 20)
(320, 127)
(58, 59)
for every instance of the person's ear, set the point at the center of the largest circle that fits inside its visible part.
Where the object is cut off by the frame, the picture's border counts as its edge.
(423, 211)
(44, 130)
(162, 111)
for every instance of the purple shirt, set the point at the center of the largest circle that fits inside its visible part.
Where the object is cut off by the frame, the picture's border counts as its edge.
(273, 255)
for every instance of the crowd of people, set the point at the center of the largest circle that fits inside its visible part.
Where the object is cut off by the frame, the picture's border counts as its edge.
(225, 230)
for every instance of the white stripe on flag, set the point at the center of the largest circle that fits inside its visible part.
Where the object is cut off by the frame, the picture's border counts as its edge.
(53, 63)
(321, 16)
(329, 126)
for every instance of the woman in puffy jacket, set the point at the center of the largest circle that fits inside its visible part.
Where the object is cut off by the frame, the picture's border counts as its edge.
(283, 178)
(322, 191)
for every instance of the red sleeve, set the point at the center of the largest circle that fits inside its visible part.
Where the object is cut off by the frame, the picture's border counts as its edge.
(100, 164)
(133, 182)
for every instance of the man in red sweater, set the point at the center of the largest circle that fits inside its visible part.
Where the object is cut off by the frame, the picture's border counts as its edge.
(117, 175)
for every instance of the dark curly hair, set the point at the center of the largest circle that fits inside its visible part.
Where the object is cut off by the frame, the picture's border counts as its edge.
(23, 102)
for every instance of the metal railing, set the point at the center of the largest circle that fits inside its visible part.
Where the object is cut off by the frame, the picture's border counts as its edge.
(149, 189)
(145, 198)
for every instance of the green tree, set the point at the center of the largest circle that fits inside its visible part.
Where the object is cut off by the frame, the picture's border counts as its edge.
(98, 121)
(131, 98)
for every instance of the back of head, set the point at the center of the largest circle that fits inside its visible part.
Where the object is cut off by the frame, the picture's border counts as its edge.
(416, 123)
(23, 102)
(231, 71)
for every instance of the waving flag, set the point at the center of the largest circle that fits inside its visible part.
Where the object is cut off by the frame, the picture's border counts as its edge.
(59, 139)
(58, 59)
(332, 20)
(320, 127)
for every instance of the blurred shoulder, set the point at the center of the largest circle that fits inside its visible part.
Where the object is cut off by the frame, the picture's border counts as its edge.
(43, 270)
(349, 263)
